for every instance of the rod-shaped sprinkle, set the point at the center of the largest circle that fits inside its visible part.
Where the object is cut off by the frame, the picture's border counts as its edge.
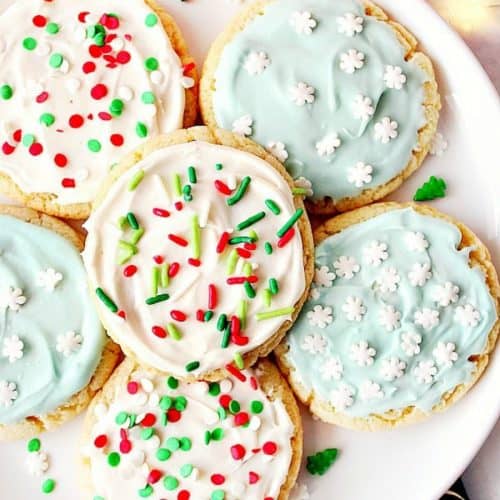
(290, 222)
(195, 237)
(221, 322)
(177, 184)
(192, 175)
(242, 312)
(241, 239)
(136, 236)
(273, 286)
(157, 298)
(238, 361)
(173, 331)
(132, 221)
(299, 191)
(136, 180)
(268, 248)
(266, 297)
(164, 277)
(107, 301)
(129, 247)
(240, 192)
(232, 261)
(285, 311)
(250, 221)
(273, 206)
(249, 290)
(155, 280)
(226, 336)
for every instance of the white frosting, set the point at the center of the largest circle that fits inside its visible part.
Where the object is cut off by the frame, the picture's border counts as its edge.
(188, 290)
(29, 74)
(124, 481)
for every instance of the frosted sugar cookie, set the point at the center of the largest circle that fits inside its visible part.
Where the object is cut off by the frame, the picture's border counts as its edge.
(149, 436)
(336, 90)
(81, 84)
(401, 321)
(53, 351)
(200, 255)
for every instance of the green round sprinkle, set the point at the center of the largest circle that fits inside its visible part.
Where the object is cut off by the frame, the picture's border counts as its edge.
(214, 389)
(172, 444)
(163, 454)
(170, 483)
(141, 130)
(52, 28)
(47, 119)
(268, 248)
(222, 413)
(166, 403)
(114, 459)
(99, 39)
(30, 43)
(172, 382)
(121, 418)
(148, 98)
(151, 20)
(217, 434)
(193, 365)
(116, 107)
(234, 406)
(151, 63)
(34, 445)
(48, 486)
(6, 92)
(185, 444)
(180, 403)
(217, 495)
(218, 166)
(94, 145)
(186, 470)
(28, 140)
(56, 60)
(256, 407)
(147, 491)
(147, 433)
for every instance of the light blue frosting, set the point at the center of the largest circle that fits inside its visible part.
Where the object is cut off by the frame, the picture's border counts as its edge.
(45, 378)
(314, 59)
(447, 264)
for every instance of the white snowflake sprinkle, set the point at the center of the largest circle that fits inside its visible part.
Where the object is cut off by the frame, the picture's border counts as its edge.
(374, 253)
(303, 22)
(48, 279)
(388, 280)
(13, 348)
(362, 107)
(320, 316)
(243, 125)
(332, 369)
(354, 309)
(445, 354)
(351, 61)
(328, 145)
(8, 393)
(68, 343)
(410, 343)
(416, 242)
(342, 397)
(314, 294)
(350, 24)
(426, 318)
(370, 390)
(392, 368)
(386, 130)
(419, 274)
(303, 183)
(299, 492)
(346, 267)
(37, 463)
(323, 276)
(425, 372)
(278, 149)
(446, 294)
(362, 354)
(302, 93)
(438, 144)
(467, 316)
(256, 63)
(360, 174)
(314, 343)
(12, 298)
(394, 77)
(389, 318)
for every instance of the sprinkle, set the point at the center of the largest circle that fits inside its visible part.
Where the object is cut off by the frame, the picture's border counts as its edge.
(114, 459)
(242, 312)
(158, 298)
(273, 286)
(106, 300)
(136, 236)
(241, 239)
(240, 280)
(240, 192)
(195, 237)
(238, 361)
(290, 222)
(286, 237)
(170, 483)
(129, 271)
(48, 486)
(47, 119)
(273, 206)
(235, 326)
(299, 191)
(129, 247)
(212, 296)
(192, 365)
(155, 279)
(320, 462)
(178, 240)
(267, 297)
(151, 64)
(231, 261)
(178, 315)
(174, 332)
(274, 314)
(221, 322)
(159, 332)
(192, 175)
(236, 373)
(6, 92)
(178, 205)
(222, 187)
(34, 445)
(243, 253)
(194, 262)
(136, 180)
(174, 269)
(172, 382)
(141, 130)
(160, 212)
(56, 60)
(249, 290)
(208, 316)
(164, 278)
(94, 145)
(132, 221)
(247, 269)
(151, 20)
(256, 407)
(221, 245)
(176, 181)
(250, 221)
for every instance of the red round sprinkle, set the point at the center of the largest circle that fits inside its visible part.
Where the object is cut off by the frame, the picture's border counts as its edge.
(123, 57)
(104, 116)
(217, 479)
(111, 22)
(183, 495)
(36, 149)
(173, 415)
(225, 400)
(101, 441)
(88, 67)
(241, 418)
(173, 269)
(41, 98)
(68, 182)
(117, 140)
(82, 16)
(129, 271)
(95, 51)
(154, 476)
(7, 149)
(178, 205)
(178, 315)
(109, 38)
(158, 259)
(253, 477)
(269, 448)
(128, 37)
(39, 21)
(17, 135)
(60, 160)
(132, 387)
(160, 212)
(149, 420)
(238, 451)
(99, 91)
(76, 121)
(159, 332)
(269, 498)
(122, 314)
(125, 446)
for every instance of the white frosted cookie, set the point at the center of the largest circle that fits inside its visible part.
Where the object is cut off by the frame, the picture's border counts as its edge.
(199, 254)
(81, 84)
(149, 436)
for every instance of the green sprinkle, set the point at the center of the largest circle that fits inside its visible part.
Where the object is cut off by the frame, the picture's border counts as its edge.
(121, 418)
(242, 312)
(151, 63)
(274, 314)
(173, 331)
(218, 495)
(186, 191)
(47, 119)
(166, 403)
(226, 336)
(186, 470)
(176, 181)
(164, 419)
(238, 361)
(232, 260)
(170, 483)
(56, 60)
(131, 420)
(151, 20)
(163, 454)
(192, 175)
(250, 221)
(208, 316)
(290, 222)
(172, 382)
(155, 279)
(268, 248)
(192, 365)
(253, 235)
(106, 300)
(164, 278)
(141, 130)
(273, 206)
(180, 403)
(247, 269)
(241, 239)
(28, 140)
(162, 297)
(214, 388)
(208, 437)
(94, 145)
(147, 433)
(221, 322)
(218, 166)
(434, 188)
(116, 107)
(129, 247)
(185, 444)
(99, 39)
(146, 492)
(256, 406)
(222, 413)
(114, 459)
(172, 444)
(240, 192)
(34, 445)
(195, 237)
(273, 286)
(320, 462)
(48, 486)
(148, 97)
(30, 43)
(52, 28)
(136, 236)
(234, 406)
(267, 297)
(132, 221)
(122, 222)
(217, 434)
(136, 180)
(6, 93)
(299, 191)
(98, 498)
(249, 289)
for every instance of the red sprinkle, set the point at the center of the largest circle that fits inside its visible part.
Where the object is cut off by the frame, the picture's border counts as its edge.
(160, 212)
(200, 315)
(117, 140)
(238, 451)
(250, 246)
(68, 182)
(125, 446)
(129, 271)
(239, 339)
(239, 280)
(235, 325)
(104, 116)
(95, 51)
(188, 67)
(40, 21)
(158, 259)
(41, 98)
(173, 269)
(178, 315)
(60, 160)
(159, 331)
(194, 262)
(173, 415)
(212, 296)
(221, 245)
(36, 149)
(132, 387)
(241, 418)
(270, 448)
(217, 479)
(183, 495)
(123, 57)
(122, 314)
(225, 400)
(17, 135)
(235, 372)
(178, 205)
(253, 383)
(76, 121)
(149, 420)
(154, 476)
(286, 237)
(82, 16)
(222, 187)
(244, 254)
(88, 67)
(7, 148)
(99, 91)
(253, 477)
(123, 434)
(178, 240)
(101, 441)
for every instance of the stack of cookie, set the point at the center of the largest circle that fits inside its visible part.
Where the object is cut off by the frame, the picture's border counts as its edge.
(199, 255)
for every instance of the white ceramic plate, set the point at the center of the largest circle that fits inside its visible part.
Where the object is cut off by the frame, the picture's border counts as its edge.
(415, 463)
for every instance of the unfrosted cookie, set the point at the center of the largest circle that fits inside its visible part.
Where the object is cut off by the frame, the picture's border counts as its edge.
(401, 321)
(333, 88)
(81, 84)
(200, 255)
(54, 355)
(148, 435)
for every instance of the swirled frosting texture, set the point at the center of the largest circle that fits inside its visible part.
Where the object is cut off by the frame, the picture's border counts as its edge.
(315, 51)
(406, 313)
(61, 336)
(79, 89)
